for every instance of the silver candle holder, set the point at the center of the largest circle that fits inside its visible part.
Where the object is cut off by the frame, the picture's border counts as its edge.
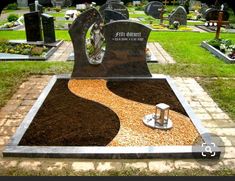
(160, 119)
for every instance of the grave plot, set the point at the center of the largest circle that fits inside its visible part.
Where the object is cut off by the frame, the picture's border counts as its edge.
(14, 23)
(108, 104)
(211, 16)
(158, 19)
(223, 49)
(38, 46)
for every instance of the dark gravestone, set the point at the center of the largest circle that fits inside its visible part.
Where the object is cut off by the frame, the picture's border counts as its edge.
(48, 28)
(179, 15)
(110, 15)
(115, 7)
(33, 26)
(125, 48)
(154, 9)
(213, 14)
(32, 8)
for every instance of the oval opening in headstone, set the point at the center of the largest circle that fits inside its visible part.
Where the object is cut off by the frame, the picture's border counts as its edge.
(95, 44)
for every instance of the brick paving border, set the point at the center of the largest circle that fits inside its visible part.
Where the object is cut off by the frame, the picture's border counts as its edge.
(212, 117)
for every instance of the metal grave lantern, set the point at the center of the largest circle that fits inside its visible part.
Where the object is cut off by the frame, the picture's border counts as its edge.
(160, 119)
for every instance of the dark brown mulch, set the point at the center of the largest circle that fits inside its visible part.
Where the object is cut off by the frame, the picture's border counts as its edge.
(147, 91)
(68, 120)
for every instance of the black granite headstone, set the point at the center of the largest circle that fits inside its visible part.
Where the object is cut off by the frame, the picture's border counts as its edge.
(115, 7)
(212, 14)
(32, 8)
(33, 26)
(48, 28)
(179, 15)
(110, 15)
(154, 9)
(125, 48)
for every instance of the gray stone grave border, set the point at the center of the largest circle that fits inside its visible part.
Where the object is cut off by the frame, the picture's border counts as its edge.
(217, 53)
(14, 150)
(12, 57)
(13, 28)
(203, 27)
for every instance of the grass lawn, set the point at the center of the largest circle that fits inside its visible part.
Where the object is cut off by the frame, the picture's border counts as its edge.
(223, 92)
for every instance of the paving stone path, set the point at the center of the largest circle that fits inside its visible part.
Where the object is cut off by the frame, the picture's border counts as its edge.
(64, 51)
(204, 107)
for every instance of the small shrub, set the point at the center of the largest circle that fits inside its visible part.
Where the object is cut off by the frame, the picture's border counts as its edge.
(139, 8)
(37, 51)
(57, 9)
(12, 6)
(215, 43)
(12, 17)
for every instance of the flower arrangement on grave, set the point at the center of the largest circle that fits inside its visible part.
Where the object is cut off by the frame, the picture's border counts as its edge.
(23, 49)
(224, 45)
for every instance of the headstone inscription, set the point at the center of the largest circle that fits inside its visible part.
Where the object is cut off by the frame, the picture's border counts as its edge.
(213, 14)
(48, 28)
(125, 48)
(179, 15)
(154, 9)
(110, 15)
(115, 7)
(33, 26)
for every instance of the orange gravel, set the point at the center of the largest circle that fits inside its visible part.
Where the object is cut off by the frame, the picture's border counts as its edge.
(132, 131)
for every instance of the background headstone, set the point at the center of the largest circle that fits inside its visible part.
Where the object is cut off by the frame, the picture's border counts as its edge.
(203, 9)
(110, 15)
(22, 3)
(48, 28)
(32, 8)
(154, 9)
(179, 15)
(212, 14)
(33, 26)
(115, 7)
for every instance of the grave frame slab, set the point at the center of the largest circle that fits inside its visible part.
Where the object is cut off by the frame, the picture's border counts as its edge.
(101, 152)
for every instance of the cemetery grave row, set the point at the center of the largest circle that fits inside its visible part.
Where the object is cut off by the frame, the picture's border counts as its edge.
(93, 103)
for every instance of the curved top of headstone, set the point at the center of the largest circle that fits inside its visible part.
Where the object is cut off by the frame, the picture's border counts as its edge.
(125, 48)
(153, 9)
(180, 15)
(125, 54)
(212, 14)
(78, 31)
(115, 7)
(110, 15)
